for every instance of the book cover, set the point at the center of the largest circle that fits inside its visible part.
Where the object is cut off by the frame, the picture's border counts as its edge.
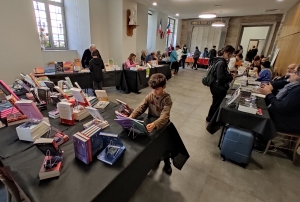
(89, 146)
(46, 145)
(101, 95)
(125, 123)
(65, 110)
(80, 148)
(60, 138)
(29, 109)
(46, 173)
(95, 113)
(111, 139)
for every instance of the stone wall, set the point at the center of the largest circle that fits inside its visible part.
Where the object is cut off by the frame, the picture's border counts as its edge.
(232, 31)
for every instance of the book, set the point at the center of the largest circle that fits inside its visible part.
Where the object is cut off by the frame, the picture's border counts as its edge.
(49, 69)
(96, 140)
(79, 96)
(44, 93)
(113, 148)
(81, 148)
(69, 82)
(53, 114)
(66, 113)
(48, 146)
(51, 167)
(29, 109)
(124, 109)
(32, 130)
(80, 113)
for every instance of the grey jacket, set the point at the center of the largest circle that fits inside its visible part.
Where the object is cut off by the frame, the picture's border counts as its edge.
(197, 53)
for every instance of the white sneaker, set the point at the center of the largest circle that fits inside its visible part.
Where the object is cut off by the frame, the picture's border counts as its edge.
(298, 150)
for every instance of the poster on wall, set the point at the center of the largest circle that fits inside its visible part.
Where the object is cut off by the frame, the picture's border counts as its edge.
(274, 56)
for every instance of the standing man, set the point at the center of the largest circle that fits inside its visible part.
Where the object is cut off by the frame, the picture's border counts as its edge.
(196, 56)
(184, 55)
(212, 53)
(254, 51)
(87, 56)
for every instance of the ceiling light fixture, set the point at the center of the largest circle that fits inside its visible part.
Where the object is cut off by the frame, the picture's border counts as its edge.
(218, 24)
(177, 14)
(207, 15)
(154, 4)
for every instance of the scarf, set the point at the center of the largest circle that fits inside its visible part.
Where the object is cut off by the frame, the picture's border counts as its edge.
(286, 89)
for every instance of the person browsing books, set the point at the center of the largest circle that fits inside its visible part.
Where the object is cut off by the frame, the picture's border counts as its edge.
(96, 66)
(159, 104)
(87, 56)
(130, 62)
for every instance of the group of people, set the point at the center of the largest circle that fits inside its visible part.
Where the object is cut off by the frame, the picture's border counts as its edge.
(197, 53)
(282, 93)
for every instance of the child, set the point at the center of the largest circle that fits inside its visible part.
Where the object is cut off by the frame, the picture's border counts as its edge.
(96, 67)
(159, 103)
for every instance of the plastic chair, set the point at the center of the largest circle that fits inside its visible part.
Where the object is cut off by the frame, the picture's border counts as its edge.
(292, 138)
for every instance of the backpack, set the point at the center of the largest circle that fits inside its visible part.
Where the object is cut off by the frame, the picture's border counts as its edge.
(209, 77)
(184, 50)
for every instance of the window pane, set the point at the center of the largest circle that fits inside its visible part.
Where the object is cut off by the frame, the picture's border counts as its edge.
(62, 44)
(56, 44)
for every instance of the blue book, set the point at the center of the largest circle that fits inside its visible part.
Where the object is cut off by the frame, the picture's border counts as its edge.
(49, 70)
(114, 148)
(81, 148)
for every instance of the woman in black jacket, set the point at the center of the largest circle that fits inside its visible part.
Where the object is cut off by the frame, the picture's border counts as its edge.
(222, 76)
(96, 67)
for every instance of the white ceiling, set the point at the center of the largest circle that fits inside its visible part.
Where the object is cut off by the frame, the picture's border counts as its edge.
(192, 8)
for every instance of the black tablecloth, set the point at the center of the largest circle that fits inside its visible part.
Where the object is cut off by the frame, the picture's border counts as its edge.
(97, 181)
(110, 78)
(136, 80)
(165, 70)
(261, 124)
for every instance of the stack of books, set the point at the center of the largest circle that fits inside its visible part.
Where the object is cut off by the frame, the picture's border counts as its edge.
(87, 144)
(36, 126)
(52, 163)
(54, 114)
(80, 113)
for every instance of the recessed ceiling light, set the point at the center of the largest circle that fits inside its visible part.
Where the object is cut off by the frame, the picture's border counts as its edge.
(280, 0)
(154, 4)
(218, 24)
(207, 15)
(177, 14)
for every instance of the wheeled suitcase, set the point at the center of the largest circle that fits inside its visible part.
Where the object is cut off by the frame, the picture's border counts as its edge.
(237, 145)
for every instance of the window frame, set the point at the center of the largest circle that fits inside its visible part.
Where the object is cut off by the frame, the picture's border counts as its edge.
(49, 24)
(172, 32)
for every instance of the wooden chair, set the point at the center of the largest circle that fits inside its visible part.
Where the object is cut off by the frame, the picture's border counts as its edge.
(11, 188)
(291, 138)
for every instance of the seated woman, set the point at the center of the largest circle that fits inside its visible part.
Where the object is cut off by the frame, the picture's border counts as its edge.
(256, 64)
(284, 108)
(239, 60)
(266, 73)
(143, 55)
(158, 55)
(130, 61)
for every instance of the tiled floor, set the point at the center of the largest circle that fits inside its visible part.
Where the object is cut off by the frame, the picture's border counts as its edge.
(205, 178)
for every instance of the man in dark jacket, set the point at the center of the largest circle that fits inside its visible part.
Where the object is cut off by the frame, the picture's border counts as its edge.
(254, 51)
(196, 56)
(96, 66)
(87, 56)
(212, 53)
(284, 108)
(279, 82)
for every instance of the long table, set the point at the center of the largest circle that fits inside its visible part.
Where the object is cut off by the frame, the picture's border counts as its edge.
(110, 78)
(124, 80)
(97, 181)
(261, 124)
(137, 80)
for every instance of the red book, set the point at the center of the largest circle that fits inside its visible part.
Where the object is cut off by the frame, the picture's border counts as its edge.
(49, 173)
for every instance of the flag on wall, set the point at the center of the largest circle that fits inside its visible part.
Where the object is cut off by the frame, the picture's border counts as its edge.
(159, 28)
(168, 31)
